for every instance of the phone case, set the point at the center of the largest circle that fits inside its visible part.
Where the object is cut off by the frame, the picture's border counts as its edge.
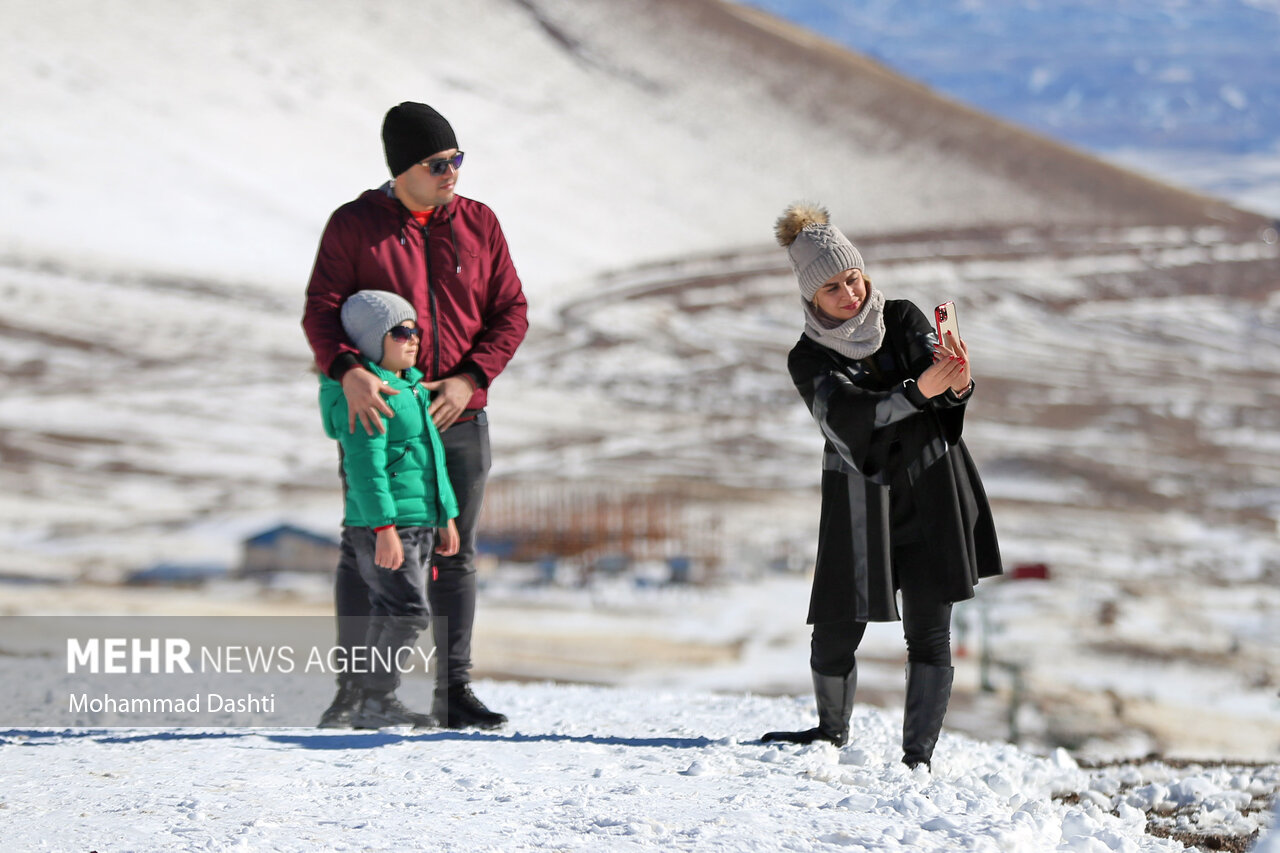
(945, 320)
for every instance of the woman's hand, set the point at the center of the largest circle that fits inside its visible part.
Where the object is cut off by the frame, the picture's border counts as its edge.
(449, 540)
(956, 349)
(944, 373)
(388, 553)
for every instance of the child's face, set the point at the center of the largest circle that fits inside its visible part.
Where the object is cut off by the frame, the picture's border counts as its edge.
(400, 349)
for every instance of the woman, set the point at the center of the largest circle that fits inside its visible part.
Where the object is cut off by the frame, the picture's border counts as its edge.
(902, 506)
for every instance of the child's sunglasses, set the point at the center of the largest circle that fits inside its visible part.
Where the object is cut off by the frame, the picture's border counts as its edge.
(404, 333)
(441, 166)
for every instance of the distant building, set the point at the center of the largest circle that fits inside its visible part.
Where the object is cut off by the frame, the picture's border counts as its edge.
(286, 548)
(176, 574)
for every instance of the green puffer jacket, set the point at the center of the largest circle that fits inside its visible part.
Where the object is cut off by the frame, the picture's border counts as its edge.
(397, 477)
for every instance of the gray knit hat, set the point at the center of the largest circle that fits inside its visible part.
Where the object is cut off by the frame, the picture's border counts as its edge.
(817, 249)
(368, 315)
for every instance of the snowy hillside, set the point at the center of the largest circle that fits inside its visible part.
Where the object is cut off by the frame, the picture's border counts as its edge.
(1184, 91)
(212, 142)
(585, 768)
(169, 171)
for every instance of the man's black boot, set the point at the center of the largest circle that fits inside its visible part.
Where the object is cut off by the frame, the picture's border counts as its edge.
(382, 708)
(928, 693)
(339, 713)
(458, 708)
(834, 695)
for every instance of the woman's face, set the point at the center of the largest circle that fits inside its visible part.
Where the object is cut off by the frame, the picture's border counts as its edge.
(841, 296)
(400, 350)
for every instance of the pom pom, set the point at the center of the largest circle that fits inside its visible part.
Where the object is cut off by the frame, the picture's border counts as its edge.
(795, 218)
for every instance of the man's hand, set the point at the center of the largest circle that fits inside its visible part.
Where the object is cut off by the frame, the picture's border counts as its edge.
(449, 400)
(363, 391)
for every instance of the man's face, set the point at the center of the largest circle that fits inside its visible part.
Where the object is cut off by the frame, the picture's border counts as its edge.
(420, 190)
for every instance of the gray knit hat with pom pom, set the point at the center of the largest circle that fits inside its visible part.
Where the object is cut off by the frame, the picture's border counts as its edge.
(817, 249)
(368, 315)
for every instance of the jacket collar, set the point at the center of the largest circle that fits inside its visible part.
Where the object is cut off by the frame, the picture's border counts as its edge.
(385, 197)
(411, 376)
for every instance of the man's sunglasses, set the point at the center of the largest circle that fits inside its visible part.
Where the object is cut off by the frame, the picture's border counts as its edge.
(441, 166)
(404, 333)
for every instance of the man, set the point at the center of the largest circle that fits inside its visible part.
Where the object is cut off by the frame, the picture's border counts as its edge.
(447, 255)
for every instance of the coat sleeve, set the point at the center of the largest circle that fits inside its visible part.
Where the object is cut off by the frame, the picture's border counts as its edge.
(920, 339)
(446, 498)
(333, 279)
(848, 415)
(506, 316)
(364, 461)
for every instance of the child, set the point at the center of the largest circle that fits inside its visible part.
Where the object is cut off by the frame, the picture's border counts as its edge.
(397, 495)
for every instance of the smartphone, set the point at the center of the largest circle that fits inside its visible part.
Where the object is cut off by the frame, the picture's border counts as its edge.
(944, 317)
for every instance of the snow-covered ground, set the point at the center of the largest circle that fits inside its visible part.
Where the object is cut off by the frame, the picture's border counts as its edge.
(669, 760)
(590, 768)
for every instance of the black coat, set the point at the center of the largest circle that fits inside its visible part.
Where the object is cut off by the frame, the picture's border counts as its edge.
(894, 470)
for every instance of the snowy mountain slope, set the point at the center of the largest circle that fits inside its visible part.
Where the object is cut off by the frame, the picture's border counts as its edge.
(212, 142)
(1079, 335)
(584, 768)
(208, 145)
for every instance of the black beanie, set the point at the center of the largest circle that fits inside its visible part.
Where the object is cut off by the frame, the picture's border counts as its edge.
(411, 133)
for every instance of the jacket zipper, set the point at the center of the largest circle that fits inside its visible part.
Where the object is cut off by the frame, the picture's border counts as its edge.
(431, 302)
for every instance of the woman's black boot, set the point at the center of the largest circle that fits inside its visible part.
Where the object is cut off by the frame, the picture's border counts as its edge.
(834, 695)
(928, 692)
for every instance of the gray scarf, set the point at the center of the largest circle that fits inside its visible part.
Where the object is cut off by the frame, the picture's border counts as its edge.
(857, 337)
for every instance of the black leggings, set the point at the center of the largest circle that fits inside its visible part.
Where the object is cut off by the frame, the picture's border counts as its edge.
(926, 621)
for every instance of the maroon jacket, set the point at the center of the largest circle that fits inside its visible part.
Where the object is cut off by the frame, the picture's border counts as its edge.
(455, 270)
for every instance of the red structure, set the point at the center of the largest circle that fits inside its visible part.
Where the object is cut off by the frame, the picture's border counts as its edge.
(1030, 571)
